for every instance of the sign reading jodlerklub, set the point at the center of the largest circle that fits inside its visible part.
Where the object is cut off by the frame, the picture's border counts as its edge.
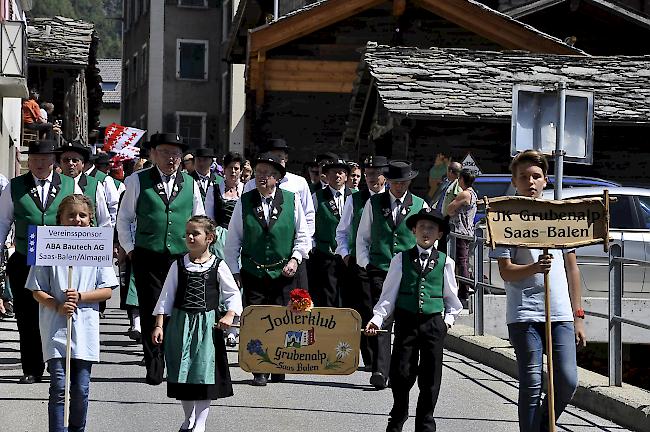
(535, 223)
(324, 341)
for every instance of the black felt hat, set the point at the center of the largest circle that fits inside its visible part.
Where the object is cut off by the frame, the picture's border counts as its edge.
(166, 138)
(77, 147)
(204, 152)
(329, 164)
(42, 147)
(320, 158)
(102, 159)
(375, 162)
(276, 144)
(270, 159)
(400, 170)
(429, 214)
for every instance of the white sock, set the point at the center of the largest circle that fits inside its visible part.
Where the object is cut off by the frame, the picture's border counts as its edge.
(201, 408)
(136, 320)
(188, 408)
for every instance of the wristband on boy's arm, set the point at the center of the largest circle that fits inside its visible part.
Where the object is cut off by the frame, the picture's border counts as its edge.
(579, 313)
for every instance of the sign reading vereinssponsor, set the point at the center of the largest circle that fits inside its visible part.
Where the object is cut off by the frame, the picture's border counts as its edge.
(324, 341)
(70, 246)
(536, 223)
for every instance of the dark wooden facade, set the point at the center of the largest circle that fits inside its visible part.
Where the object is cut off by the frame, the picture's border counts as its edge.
(301, 68)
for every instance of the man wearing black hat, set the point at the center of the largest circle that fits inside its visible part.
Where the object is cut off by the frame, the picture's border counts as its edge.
(320, 159)
(158, 201)
(30, 199)
(327, 269)
(383, 234)
(72, 157)
(357, 294)
(202, 174)
(268, 233)
(420, 290)
(99, 167)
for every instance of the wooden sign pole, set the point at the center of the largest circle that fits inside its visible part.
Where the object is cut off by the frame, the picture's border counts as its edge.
(68, 354)
(550, 394)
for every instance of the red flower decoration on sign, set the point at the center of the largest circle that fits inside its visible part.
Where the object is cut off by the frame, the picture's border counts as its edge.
(300, 301)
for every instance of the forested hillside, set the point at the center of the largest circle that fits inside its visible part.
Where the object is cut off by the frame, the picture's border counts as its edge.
(104, 13)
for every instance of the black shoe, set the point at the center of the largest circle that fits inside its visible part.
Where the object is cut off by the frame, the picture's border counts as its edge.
(259, 380)
(277, 378)
(185, 430)
(29, 379)
(378, 381)
(134, 335)
(9, 310)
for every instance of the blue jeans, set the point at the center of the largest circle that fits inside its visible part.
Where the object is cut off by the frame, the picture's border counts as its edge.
(79, 386)
(529, 342)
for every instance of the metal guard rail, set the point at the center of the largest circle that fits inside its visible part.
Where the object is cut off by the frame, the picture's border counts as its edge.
(616, 270)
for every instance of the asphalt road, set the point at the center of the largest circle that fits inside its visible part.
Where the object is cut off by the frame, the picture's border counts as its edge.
(473, 397)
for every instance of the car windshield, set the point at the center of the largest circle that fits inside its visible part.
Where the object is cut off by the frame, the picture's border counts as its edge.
(644, 205)
(491, 189)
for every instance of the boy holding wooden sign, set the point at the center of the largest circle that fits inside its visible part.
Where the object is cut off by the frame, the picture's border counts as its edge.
(421, 289)
(523, 270)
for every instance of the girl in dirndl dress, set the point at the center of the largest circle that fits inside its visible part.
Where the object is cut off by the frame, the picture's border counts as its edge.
(195, 354)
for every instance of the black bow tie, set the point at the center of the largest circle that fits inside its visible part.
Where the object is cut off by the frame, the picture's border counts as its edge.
(424, 256)
(268, 200)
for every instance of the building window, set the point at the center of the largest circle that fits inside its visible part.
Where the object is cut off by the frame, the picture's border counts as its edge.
(127, 14)
(144, 65)
(190, 126)
(192, 59)
(226, 19)
(109, 86)
(193, 3)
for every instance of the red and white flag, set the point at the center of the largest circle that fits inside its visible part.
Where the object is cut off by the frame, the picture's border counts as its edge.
(122, 140)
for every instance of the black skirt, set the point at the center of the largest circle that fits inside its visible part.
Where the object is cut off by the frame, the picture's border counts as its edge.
(223, 386)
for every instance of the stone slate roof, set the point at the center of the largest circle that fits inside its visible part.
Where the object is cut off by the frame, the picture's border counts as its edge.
(111, 71)
(59, 40)
(465, 84)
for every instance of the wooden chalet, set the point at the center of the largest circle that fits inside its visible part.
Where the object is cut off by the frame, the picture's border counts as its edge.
(599, 27)
(62, 65)
(460, 100)
(301, 68)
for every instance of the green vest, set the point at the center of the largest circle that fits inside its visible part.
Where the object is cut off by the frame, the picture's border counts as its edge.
(327, 219)
(265, 250)
(27, 212)
(215, 179)
(358, 203)
(161, 224)
(388, 240)
(421, 292)
(99, 175)
(117, 183)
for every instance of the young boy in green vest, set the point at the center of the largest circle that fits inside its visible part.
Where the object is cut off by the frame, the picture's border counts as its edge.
(421, 290)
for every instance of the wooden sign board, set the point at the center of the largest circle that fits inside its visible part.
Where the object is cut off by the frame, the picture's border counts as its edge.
(324, 341)
(539, 224)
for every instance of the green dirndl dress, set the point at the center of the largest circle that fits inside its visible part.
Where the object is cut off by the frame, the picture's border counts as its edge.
(195, 353)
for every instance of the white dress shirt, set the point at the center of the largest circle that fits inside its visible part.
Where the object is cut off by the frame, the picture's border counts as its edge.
(298, 185)
(102, 214)
(235, 237)
(209, 198)
(363, 233)
(344, 228)
(227, 286)
(112, 195)
(127, 215)
(389, 291)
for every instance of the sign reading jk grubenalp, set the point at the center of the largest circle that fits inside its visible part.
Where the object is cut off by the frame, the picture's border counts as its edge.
(70, 246)
(535, 223)
(324, 341)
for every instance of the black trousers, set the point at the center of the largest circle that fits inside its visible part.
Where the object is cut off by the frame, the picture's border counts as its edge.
(356, 295)
(150, 270)
(326, 280)
(417, 336)
(267, 291)
(26, 310)
(379, 346)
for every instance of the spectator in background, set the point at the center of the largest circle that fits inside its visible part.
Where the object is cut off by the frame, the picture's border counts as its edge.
(246, 172)
(47, 108)
(32, 119)
(437, 174)
(188, 163)
(355, 176)
(462, 211)
(450, 188)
